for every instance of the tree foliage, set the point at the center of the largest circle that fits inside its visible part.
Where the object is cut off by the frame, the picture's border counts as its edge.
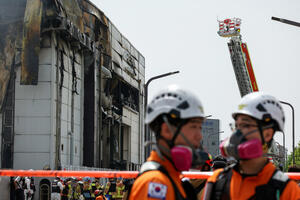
(289, 161)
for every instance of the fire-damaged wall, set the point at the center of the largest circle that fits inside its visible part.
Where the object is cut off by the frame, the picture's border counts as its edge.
(71, 88)
(122, 104)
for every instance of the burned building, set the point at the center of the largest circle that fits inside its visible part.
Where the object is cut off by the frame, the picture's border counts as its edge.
(71, 88)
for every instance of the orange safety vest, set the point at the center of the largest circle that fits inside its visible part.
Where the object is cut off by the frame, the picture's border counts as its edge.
(153, 183)
(243, 187)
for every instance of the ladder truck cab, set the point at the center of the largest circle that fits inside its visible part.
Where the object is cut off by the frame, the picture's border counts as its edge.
(239, 55)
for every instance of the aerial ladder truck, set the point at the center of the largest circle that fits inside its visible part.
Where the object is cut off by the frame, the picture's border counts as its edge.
(239, 54)
(242, 66)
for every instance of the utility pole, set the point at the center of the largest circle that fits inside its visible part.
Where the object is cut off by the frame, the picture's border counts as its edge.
(293, 127)
(147, 132)
(286, 103)
(286, 21)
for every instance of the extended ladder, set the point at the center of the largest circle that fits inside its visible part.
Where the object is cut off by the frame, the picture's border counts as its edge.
(239, 55)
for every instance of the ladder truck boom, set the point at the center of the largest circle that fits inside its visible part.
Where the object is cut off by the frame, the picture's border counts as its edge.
(240, 59)
(239, 55)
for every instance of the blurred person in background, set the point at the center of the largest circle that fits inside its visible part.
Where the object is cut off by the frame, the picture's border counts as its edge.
(219, 162)
(120, 189)
(19, 184)
(56, 189)
(99, 195)
(87, 189)
(199, 184)
(29, 188)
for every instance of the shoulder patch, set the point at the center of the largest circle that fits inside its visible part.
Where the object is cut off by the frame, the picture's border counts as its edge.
(157, 190)
(280, 176)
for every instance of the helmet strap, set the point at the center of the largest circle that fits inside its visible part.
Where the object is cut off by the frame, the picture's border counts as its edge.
(261, 132)
(261, 127)
(177, 131)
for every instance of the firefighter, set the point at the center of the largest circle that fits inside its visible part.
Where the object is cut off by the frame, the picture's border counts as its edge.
(120, 189)
(219, 162)
(110, 189)
(199, 184)
(86, 191)
(77, 189)
(207, 165)
(56, 189)
(70, 191)
(19, 183)
(175, 116)
(98, 185)
(29, 188)
(93, 188)
(257, 119)
(99, 195)
(65, 194)
(106, 188)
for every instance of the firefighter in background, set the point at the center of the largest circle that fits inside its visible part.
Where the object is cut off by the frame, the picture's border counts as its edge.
(86, 192)
(199, 184)
(98, 185)
(99, 195)
(106, 188)
(77, 189)
(19, 183)
(56, 189)
(128, 183)
(29, 188)
(81, 185)
(219, 162)
(93, 188)
(70, 191)
(67, 188)
(175, 116)
(257, 119)
(120, 187)
(110, 189)
(207, 165)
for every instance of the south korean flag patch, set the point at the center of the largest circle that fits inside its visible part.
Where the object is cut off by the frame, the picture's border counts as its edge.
(157, 190)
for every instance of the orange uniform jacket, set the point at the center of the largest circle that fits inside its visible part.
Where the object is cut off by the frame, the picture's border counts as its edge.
(100, 198)
(244, 188)
(153, 183)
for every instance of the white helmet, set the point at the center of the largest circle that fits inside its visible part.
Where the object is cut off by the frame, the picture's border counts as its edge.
(262, 107)
(174, 101)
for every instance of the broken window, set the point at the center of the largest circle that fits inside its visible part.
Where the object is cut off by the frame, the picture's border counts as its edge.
(125, 94)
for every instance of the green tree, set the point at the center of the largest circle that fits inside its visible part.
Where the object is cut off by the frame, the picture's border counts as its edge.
(289, 161)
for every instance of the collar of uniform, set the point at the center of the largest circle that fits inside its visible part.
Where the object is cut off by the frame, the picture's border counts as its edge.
(267, 169)
(165, 163)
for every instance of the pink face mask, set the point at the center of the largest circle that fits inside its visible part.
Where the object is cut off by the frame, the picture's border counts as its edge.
(250, 149)
(238, 147)
(182, 157)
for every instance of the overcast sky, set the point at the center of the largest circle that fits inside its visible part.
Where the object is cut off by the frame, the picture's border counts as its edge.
(182, 35)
